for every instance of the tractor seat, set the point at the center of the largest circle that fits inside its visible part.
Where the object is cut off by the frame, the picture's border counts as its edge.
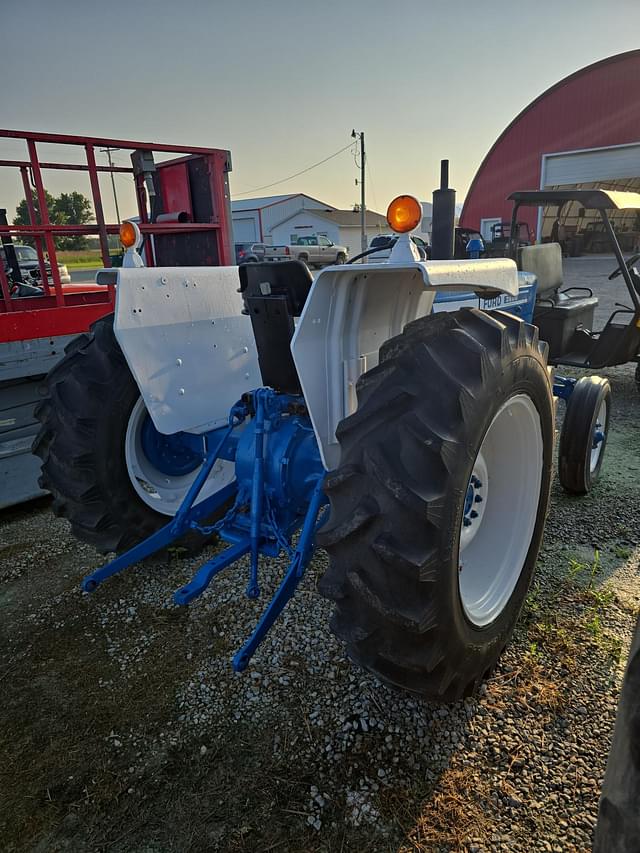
(288, 279)
(557, 314)
(545, 262)
(274, 293)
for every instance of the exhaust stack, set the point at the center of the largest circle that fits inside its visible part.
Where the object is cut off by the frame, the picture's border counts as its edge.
(443, 217)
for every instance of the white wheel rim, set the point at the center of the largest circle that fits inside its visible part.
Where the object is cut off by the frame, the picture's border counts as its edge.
(599, 436)
(162, 492)
(494, 542)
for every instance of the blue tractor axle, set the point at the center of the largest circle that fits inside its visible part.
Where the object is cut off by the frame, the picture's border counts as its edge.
(277, 491)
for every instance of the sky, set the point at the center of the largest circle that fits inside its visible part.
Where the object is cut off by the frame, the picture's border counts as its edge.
(281, 84)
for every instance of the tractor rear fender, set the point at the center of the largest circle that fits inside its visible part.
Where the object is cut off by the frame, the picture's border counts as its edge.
(192, 352)
(189, 347)
(352, 310)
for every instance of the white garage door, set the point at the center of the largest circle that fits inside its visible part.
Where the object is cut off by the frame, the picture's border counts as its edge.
(244, 230)
(602, 164)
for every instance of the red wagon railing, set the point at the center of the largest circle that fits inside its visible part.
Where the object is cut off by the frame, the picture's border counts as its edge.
(202, 194)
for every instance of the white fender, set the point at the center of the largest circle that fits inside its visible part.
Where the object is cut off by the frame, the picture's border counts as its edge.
(189, 347)
(192, 352)
(353, 309)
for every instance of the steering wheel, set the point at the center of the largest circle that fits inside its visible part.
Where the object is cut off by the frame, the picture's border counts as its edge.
(631, 262)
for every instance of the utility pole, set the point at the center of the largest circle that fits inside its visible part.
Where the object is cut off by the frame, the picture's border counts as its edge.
(108, 151)
(363, 208)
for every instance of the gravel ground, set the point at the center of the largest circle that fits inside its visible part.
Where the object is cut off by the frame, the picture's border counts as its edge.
(123, 727)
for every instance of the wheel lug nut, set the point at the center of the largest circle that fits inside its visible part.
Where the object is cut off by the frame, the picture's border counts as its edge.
(473, 513)
(466, 522)
(478, 499)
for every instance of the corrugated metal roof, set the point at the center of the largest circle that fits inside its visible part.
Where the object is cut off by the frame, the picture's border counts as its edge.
(341, 218)
(256, 203)
(352, 217)
(267, 201)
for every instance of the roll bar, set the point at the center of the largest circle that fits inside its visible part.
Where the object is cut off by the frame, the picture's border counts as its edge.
(600, 200)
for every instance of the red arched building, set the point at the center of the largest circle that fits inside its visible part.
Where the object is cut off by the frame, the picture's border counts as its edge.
(582, 132)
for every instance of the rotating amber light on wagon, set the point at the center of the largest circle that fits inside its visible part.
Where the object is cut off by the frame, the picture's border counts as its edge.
(404, 214)
(128, 235)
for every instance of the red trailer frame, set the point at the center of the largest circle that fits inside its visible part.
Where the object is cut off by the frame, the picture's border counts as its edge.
(71, 311)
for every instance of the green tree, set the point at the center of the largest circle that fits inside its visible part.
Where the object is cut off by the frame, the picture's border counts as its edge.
(65, 209)
(22, 212)
(75, 206)
(75, 209)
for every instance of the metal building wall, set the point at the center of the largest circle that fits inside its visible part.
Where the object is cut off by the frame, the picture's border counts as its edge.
(304, 225)
(601, 164)
(275, 213)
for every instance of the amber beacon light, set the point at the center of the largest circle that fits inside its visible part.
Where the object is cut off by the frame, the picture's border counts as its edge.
(404, 213)
(128, 236)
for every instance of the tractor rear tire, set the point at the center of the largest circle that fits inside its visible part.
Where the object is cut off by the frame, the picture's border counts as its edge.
(587, 416)
(407, 581)
(89, 399)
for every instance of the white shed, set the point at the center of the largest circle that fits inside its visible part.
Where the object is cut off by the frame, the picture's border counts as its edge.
(340, 226)
(253, 218)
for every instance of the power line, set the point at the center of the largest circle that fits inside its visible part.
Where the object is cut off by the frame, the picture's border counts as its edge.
(301, 172)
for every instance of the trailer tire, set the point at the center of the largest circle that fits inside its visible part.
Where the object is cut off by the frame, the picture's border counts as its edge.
(403, 562)
(89, 398)
(586, 420)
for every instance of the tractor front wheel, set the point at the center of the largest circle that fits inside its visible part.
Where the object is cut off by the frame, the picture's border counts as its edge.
(112, 475)
(439, 503)
(583, 437)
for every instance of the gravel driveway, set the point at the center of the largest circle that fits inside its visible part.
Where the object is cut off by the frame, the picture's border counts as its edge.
(124, 729)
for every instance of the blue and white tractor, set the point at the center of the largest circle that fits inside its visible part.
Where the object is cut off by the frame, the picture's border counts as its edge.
(285, 413)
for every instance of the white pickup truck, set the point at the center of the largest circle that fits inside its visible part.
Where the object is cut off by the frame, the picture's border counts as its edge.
(315, 250)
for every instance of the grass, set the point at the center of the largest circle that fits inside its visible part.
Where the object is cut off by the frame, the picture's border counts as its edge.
(557, 640)
(58, 774)
(564, 624)
(597, 598)
(578, 569)
(531, 685)
(84, 259)
(458, 811)
(552, 634)
(622, 552)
